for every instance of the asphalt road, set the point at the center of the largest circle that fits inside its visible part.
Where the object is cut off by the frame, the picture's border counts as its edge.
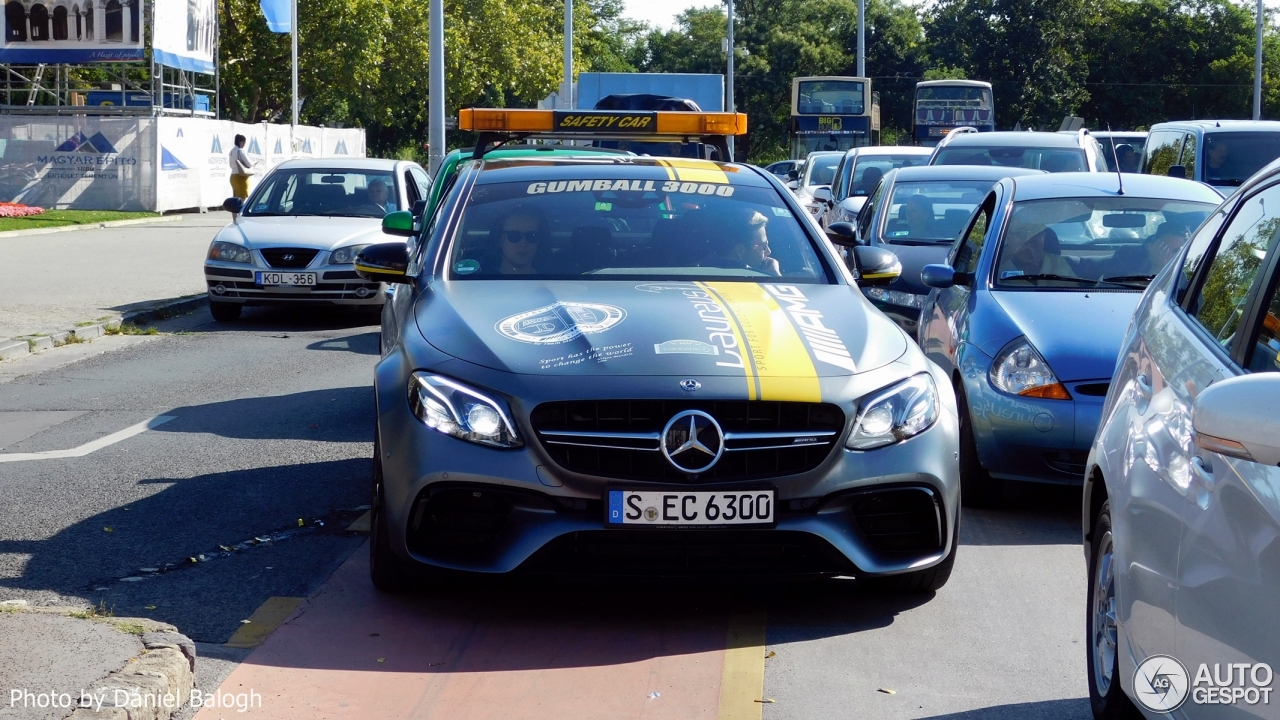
(272, 424)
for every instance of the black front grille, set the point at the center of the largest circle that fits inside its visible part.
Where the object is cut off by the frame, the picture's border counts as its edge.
(342, 275)
(228, 272)
(637, 458)
(900, 521)
(288, 257)
(689, 552)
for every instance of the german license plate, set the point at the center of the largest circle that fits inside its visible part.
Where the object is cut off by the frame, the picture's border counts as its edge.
(285, 278)
(650, 507)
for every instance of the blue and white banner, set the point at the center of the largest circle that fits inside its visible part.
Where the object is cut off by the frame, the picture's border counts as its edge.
(184, 34)
(279, 15)
(69, 31)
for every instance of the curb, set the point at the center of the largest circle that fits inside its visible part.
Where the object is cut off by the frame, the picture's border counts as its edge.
(88, 226)
(12, 349)
(164, 670)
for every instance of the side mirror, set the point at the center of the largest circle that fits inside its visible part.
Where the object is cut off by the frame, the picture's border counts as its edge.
(844, 234)
(793, 184)
(1240, 417)
(943, 276)
(793, 174)
(233, 205)
(384, 262)
(1177, 171)
(399, 223)
(876, 266)
(822, 194)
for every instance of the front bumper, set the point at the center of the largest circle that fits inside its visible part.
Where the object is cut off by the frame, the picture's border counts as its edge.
(1031, 439)
(458, 505)
(335, 285)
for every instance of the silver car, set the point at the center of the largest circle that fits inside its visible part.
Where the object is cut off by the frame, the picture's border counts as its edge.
(1182, 490)
(294, 241)
(642, 365)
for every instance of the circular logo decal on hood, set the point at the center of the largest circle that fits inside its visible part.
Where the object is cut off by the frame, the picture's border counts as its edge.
(560, 322)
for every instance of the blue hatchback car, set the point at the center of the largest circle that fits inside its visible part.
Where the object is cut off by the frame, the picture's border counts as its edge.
(1028, 314)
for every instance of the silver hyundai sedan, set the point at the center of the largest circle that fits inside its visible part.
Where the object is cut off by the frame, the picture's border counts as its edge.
(637, 365)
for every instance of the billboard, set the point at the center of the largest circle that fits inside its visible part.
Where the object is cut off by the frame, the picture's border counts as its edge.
(72, 31)
(78, 162)
(184, 34)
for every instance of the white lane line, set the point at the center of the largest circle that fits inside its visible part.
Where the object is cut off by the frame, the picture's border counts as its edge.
(89, 447)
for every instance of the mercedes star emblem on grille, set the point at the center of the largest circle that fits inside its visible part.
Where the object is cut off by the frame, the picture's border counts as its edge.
(690, 385)
(692, 441)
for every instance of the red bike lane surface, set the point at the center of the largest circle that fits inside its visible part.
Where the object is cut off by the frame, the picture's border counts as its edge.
(501, 651)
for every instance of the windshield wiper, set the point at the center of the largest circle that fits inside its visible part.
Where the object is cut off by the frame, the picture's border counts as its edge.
(1064, 278)
(1119, 279)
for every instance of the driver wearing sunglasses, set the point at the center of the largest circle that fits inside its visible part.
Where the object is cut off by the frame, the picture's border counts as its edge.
(523, 229)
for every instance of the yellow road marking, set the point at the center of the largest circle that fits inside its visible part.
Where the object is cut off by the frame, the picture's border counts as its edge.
(742, 682)
(264, 621)
(780, 361)
(361, 523)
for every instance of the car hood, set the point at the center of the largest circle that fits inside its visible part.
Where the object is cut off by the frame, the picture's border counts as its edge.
(765, 332)
(913, 259)
(1078, 333)
(321, 233)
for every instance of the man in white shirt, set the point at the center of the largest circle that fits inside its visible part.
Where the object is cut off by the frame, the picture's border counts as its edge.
(241, 168)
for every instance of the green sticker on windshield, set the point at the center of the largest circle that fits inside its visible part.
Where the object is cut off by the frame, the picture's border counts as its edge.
(466, 267)
(781, 212)
(604, 207)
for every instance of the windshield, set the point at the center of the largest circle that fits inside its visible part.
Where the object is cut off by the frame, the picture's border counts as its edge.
(927, 213)
(1128, 150)
(830, 97)
(616, 228)
(952, 96)
(311, 191)
(1047, 159)
(821, 169)
(1083, 243)
(1230, 158)
(868, 170)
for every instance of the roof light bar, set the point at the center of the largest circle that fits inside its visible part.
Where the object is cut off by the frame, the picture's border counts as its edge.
(601, 122)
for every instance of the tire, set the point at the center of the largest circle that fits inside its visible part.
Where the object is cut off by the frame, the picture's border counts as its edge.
(921, 581)
(388, 572)
(1106, 697)
(977, 487)
(225, 312)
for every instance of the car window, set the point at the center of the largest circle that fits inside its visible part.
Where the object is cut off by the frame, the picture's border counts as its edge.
(1265, 354)
(869, 169)
(422, 181)
(1236, 264)
(841, 180)
(932, 212)
(1127, 150)
(587, 230)
(967, 253)
(1047, 159)
(868, 211)
(410, 188)
(1081, 243)
(1163, 149)
(331, 193)
(1189, 154)
(1195, 253)
(1099, 162)
(821, 169)
(1230, 158)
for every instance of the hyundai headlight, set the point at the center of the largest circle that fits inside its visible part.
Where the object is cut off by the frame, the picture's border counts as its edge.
(448, 406)
(230, 252)
(346, 255)
(896, 297)
(1019, 370)
(896, 413)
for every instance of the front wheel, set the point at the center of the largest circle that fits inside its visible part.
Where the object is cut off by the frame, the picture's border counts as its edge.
(977, 487)
(387, 571)
(1106, 697)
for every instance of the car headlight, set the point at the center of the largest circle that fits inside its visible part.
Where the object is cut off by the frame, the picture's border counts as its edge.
(230, 252)
(454, 409)
(896, 413)
(896, 297)
(346, 255)
(1019, 370)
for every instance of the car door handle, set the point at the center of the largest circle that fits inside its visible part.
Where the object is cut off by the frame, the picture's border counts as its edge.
(1202, 476)
(1142, 384)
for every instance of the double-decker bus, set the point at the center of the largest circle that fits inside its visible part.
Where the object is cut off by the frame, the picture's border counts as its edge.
(833, 113)
(944, 105)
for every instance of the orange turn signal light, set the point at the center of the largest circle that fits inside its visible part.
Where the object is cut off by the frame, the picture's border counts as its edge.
(1056, 391)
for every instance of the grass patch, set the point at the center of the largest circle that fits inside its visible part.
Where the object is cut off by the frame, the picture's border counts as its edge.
(133, 628)
(55, 218)
(128, 329)
(94, 613)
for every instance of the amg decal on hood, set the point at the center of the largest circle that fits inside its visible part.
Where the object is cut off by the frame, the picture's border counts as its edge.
(826, 345)
(560, 322)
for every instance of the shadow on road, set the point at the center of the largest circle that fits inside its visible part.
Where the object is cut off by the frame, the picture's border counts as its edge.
(1070, 709)
(1031, 514)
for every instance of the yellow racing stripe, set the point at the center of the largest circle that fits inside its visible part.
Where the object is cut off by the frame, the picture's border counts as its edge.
(781, 363)
(748, 364)
(687, 170)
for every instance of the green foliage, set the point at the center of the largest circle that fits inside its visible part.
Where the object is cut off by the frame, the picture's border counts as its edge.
(946, 73)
